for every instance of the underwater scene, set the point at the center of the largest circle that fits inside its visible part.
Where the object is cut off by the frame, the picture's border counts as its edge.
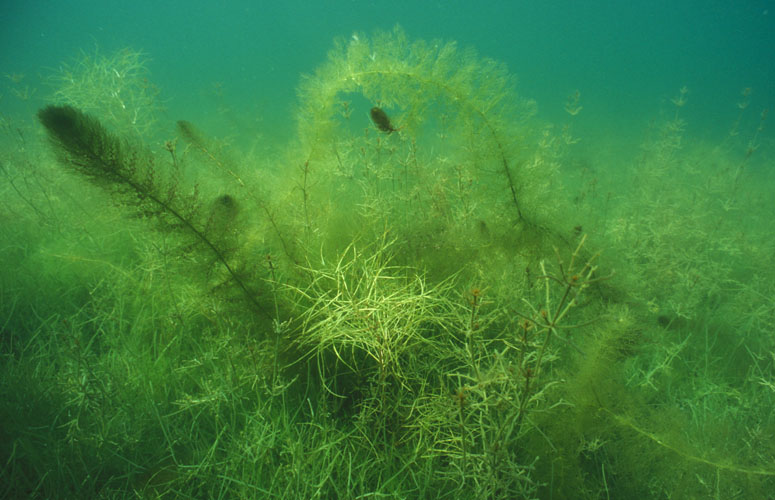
(360, 250)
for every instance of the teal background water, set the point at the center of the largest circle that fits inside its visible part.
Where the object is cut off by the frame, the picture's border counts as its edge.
(626, 59)
(125, 368)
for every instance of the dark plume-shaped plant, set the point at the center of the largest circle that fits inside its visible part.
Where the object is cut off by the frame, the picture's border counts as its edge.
(129, 174)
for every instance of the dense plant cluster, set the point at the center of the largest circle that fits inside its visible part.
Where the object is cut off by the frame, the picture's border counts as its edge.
(411, 310)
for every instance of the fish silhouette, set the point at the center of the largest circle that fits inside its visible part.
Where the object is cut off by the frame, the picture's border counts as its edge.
(381, 120)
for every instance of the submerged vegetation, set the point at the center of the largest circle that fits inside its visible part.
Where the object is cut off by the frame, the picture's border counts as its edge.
(438, 309)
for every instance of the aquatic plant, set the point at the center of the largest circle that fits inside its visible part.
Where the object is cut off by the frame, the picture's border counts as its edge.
(468, 99)
(390, 308)
(114, 86)
(125, 171)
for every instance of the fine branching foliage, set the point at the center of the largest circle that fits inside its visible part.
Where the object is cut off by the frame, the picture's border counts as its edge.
(115, 87)
(461, 136)
(417, 297)
(122, 169)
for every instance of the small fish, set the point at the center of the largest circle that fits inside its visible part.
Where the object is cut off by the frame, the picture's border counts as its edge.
(381, 120)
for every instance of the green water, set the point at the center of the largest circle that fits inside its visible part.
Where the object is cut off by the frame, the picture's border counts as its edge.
(473, 302)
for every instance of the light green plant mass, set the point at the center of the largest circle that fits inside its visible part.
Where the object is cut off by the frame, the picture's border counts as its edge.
(114, 87)
(438, 308)
(465, 100)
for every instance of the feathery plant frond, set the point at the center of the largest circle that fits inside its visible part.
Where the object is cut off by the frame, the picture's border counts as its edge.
(474, 94)
(130, 174)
